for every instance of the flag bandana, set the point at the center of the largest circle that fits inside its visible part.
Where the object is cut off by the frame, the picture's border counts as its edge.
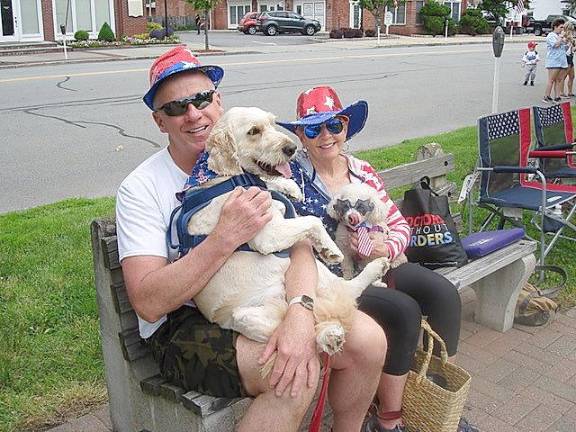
(365, 243)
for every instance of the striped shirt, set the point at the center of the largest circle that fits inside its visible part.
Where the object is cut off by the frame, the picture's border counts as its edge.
(317, 197)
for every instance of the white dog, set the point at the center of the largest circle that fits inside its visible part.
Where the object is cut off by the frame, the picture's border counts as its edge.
(353, 206)
(247, 294)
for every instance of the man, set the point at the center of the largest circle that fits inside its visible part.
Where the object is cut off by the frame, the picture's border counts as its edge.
(191, 351)
(197, 20)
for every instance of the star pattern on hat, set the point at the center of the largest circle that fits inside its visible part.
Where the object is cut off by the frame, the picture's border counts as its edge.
(329, 102)
(311, 110)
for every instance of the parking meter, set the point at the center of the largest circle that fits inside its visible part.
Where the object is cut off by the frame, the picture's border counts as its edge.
(498, 41)
(63, 29)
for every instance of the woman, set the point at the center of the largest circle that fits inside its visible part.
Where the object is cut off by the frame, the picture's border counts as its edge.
(321, 169)
(556, 61)
(571, 47)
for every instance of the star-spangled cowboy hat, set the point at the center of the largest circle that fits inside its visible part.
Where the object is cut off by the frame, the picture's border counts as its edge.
(178, 59)
(318, 104)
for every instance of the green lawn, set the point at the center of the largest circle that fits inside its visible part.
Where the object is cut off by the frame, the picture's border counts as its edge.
(50, 360)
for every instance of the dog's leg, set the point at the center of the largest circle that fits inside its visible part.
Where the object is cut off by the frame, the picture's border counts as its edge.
(259, 322)
(280, 234)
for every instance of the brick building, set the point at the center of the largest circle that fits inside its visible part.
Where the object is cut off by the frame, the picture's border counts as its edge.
(38, 20)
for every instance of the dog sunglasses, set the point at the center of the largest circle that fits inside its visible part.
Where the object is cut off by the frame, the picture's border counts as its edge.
(334, 125)
(180, 106)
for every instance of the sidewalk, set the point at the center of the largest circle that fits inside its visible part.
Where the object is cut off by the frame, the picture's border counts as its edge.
(96, 55)
(523, 380)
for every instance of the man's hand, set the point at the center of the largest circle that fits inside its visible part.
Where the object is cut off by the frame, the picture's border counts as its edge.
(297, 360)
(380, 250)
(244, 214)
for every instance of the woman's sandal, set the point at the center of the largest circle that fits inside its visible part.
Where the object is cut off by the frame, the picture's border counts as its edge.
(373, 424)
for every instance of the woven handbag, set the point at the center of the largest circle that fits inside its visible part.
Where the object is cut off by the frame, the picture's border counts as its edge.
(427, 406)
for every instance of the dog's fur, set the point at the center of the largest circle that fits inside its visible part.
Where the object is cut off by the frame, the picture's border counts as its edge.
(351, 218)
(247, 294)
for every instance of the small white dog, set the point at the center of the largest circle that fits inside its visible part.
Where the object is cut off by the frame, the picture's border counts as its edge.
(354, 206)
(247, 294)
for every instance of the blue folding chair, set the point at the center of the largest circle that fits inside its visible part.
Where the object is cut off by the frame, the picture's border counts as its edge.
(509, 186)
(555, 141)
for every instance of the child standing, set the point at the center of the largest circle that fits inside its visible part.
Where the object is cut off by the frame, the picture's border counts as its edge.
(529, 61)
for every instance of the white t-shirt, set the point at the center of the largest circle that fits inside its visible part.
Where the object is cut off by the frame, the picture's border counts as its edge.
(144, 203)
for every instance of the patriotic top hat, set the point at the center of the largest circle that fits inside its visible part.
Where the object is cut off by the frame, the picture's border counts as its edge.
(178, 59)
(318, 104)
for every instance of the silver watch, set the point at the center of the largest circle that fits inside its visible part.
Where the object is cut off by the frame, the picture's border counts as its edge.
(304, 300)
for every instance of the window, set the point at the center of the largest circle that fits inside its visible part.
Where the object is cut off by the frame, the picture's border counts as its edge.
(454, 8)
(399, 14)
(29, 10)
(84, 15)
(419, 5)
(299, 9)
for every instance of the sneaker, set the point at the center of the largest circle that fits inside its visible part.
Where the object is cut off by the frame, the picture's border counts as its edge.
(565, 96)
(525, 83)
(557, 99)
(373, 425)
(532, 83)
(465, 426)
(547, 99)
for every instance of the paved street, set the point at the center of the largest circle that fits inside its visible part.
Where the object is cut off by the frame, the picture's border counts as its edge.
(78, 129)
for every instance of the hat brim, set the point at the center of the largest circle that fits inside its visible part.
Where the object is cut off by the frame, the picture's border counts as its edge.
(215, 73)
(357, 114)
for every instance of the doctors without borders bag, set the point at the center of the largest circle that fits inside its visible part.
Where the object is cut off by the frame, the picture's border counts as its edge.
(434, 241)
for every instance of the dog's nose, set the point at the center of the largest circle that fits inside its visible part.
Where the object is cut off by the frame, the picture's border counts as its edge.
(289, 149)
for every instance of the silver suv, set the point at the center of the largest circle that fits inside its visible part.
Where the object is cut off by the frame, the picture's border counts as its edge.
(274, 22)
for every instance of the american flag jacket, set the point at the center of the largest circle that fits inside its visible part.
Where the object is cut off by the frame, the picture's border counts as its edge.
(317, 197)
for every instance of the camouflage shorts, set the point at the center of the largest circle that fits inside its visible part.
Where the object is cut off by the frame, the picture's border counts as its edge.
(197, 355)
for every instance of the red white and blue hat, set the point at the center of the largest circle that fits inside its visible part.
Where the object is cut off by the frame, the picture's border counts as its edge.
(319, 104)
(178, 59)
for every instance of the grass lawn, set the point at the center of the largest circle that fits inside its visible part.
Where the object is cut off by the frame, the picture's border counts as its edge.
(50, 361)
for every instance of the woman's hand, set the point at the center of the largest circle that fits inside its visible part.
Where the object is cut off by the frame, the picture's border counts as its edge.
(380, 250)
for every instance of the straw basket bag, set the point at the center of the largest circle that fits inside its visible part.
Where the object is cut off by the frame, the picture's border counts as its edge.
(428, 407)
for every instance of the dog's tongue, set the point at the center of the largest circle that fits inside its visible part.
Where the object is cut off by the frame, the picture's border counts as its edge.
(284, 169)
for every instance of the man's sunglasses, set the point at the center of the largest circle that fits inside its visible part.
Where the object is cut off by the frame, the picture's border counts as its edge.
(178, 107)
(335, 125)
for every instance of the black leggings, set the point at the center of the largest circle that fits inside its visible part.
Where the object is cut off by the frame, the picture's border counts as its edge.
(412, 291)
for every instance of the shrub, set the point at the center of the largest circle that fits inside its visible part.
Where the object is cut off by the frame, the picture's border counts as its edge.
(81, 35)
(434, 15)
(473, 23)
(106, 33)
(370, 33)
(141, 36)
(336, 34)
(153, 26)
(359, 33)
(349, 32)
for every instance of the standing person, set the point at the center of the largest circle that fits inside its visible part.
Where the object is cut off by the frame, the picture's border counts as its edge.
(198, 20)
(530, 61)
(322, 169)
(556, 61)
(190, 351)
(567, 85)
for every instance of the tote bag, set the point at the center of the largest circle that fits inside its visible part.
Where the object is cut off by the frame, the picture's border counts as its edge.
(434, 241)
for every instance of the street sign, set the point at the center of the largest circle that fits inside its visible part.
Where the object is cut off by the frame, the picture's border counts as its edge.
(388, 18)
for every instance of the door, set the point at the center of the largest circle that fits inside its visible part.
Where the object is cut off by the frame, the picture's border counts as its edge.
(355, 15)
(8, 23)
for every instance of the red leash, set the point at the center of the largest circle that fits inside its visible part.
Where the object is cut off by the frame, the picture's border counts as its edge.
(319, 408)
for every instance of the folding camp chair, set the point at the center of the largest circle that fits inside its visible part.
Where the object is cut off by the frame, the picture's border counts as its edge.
(508, 186)
(555, 141)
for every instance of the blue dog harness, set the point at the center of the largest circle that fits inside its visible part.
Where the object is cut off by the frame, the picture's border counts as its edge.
(194, 199)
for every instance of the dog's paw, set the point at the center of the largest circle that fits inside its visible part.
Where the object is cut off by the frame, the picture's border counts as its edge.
(379, 284)
(379, 267)
(330, 338)
(295, 192)
(331, 256)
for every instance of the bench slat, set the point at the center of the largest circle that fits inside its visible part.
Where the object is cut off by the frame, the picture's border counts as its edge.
(152, 384)
(132, 345)
(120, 298)
(171, 392)
(110, 252)
(477, 269)
(410, 173)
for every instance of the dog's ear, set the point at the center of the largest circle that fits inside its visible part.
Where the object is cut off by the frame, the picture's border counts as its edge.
(222, 149)
(330, 208)
(380, 213)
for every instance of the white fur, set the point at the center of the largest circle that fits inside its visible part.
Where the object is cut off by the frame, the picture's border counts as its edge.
(378, 216)
(247, 294)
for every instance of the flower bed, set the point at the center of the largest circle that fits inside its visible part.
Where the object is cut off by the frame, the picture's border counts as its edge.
(126, 41)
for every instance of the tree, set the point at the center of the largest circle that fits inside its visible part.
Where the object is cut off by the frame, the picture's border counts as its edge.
(378, 8)
(206, 6)
(570, 5)
(499, 8)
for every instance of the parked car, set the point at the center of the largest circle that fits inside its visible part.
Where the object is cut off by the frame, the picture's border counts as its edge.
(274, 22)
(247, 24)
(542, 27)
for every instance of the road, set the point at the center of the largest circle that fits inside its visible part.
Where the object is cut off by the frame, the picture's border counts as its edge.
(78, 130)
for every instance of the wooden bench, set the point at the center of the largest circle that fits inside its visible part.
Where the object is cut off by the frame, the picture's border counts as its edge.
(496, 278)
(141, 400)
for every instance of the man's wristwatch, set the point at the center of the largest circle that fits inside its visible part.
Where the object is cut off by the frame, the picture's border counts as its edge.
(304, 300)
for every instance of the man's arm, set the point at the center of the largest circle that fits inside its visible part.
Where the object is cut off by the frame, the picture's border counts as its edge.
(156, 287)
(295, 339)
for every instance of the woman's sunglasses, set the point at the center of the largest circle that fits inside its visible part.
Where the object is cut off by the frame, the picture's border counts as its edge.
(335, 125)
(178, 107)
